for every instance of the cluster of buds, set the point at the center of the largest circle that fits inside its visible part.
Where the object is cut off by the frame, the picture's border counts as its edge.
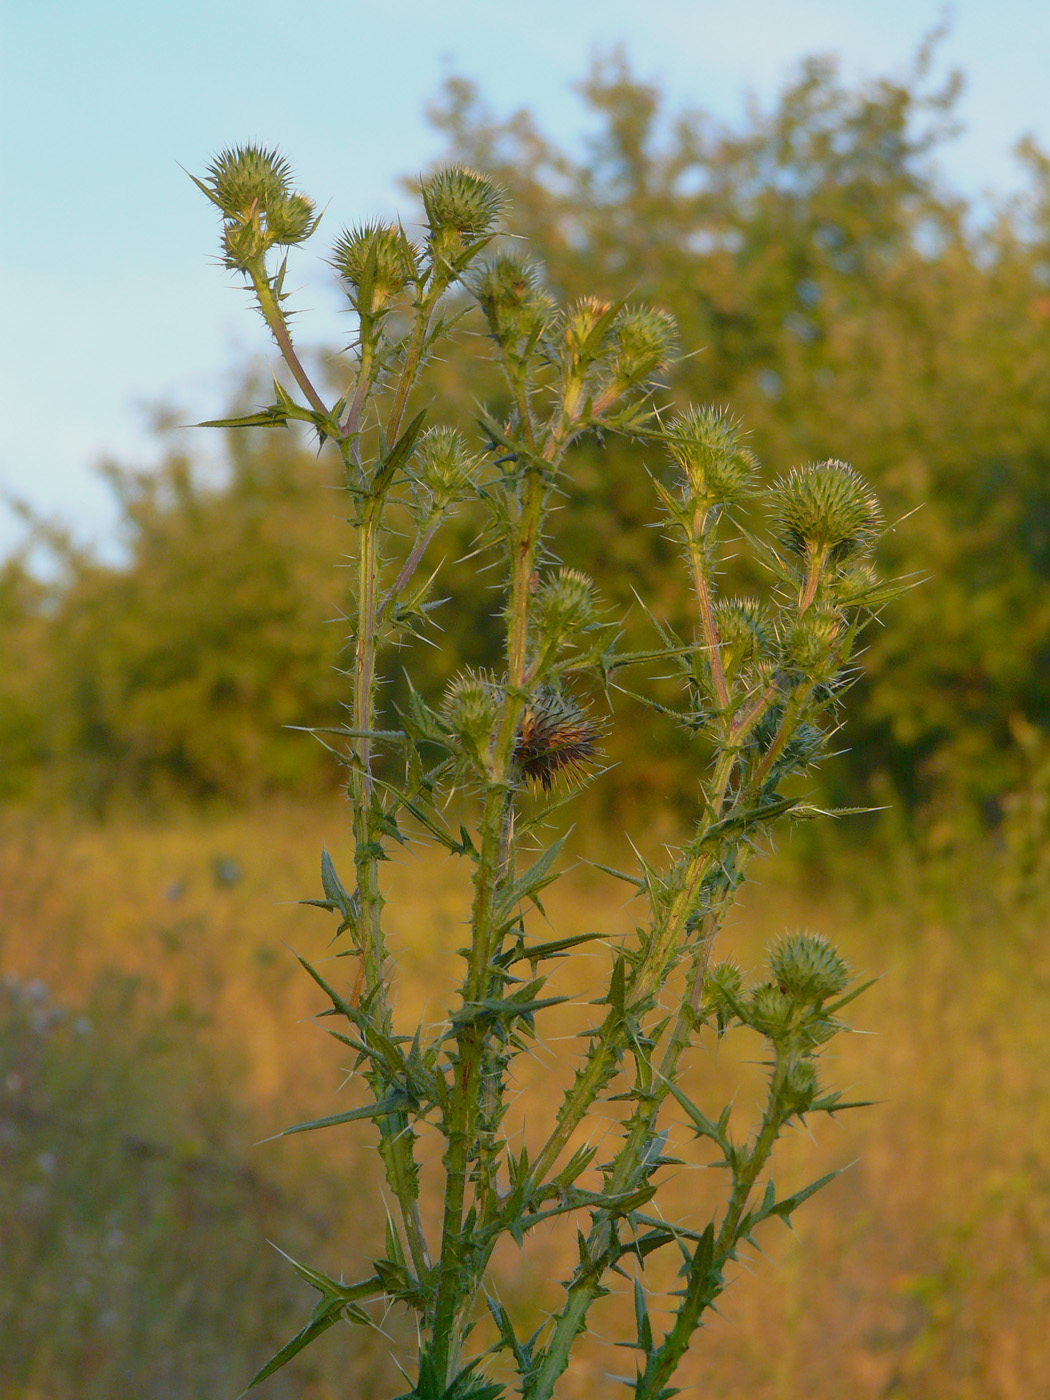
(252, 187)
(608, 350)
(375, 262)
(788, 1010)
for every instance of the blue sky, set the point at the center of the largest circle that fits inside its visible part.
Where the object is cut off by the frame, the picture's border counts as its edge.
(113, 300)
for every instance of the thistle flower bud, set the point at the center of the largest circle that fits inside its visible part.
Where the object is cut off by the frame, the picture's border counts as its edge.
(556, 736)
(564, 607)
(744, 633)
(462, 207)
(811, 643)
(799, 1087)
(825, 510)
(444, 465)
(586, 334)
(470, 709)
(770, 1011)
(706, 444)
(854, 584)
(377, 256)
(291, 220)
(722, 992)
(243, 242)
(643, 341)
(513, 305)
(807, 967)
(246, 177)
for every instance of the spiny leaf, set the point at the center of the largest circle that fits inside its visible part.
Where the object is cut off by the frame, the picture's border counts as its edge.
(328, 1315)
(398, 455)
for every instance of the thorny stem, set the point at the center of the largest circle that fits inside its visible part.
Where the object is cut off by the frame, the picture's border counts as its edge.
(702, 587)
(274, 317)
(489, 878)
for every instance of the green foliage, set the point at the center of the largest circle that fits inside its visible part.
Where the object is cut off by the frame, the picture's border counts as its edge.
(175, 673)
(756, 710)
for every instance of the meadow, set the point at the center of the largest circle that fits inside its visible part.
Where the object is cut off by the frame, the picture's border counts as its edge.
(157, 1032)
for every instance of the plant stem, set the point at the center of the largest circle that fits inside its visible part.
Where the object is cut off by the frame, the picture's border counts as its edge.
(274, 318)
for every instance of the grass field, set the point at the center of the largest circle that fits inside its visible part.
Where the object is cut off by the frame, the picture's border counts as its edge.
(155, 1027)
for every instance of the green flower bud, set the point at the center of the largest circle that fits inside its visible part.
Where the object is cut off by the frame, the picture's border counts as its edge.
(585, 337)
(854, 584)
(462, 201)
(462, 208)
(717, 469)
(444, 465)
(643, 341)
(513, 305)
(799, 1087)
(811, 644)
(770, 1011)
(247, 177)
(243, 242)
(826, 510)
(807, 967)
(470, 709)
(291, 220)
(722, 992)
(564, 606)
(379, 249)
(744, 633)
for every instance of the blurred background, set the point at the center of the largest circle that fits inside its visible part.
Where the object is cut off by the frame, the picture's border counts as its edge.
(847, 209)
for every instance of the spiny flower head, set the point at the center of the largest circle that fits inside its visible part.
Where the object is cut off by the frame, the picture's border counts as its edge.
(812, 643)
(555, 737)
(799, 1088)
(586, 329)
(564, 606)
(706, 444)
(462, 209)
(444, 465)
(375, 262)
(807, 967)
(470, 709)
(825, 510)
(723, 989)
(744, 632)
(291, 220)
(515, 307)
(245, 176)
(642, 342)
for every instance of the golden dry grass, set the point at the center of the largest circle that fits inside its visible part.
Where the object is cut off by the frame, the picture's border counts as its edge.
(922, 1272)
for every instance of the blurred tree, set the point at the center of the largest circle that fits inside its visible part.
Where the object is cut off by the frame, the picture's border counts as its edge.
(175, 673)
(849, 306)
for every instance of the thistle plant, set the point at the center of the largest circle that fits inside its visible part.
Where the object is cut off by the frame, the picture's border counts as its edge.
(758, 689)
